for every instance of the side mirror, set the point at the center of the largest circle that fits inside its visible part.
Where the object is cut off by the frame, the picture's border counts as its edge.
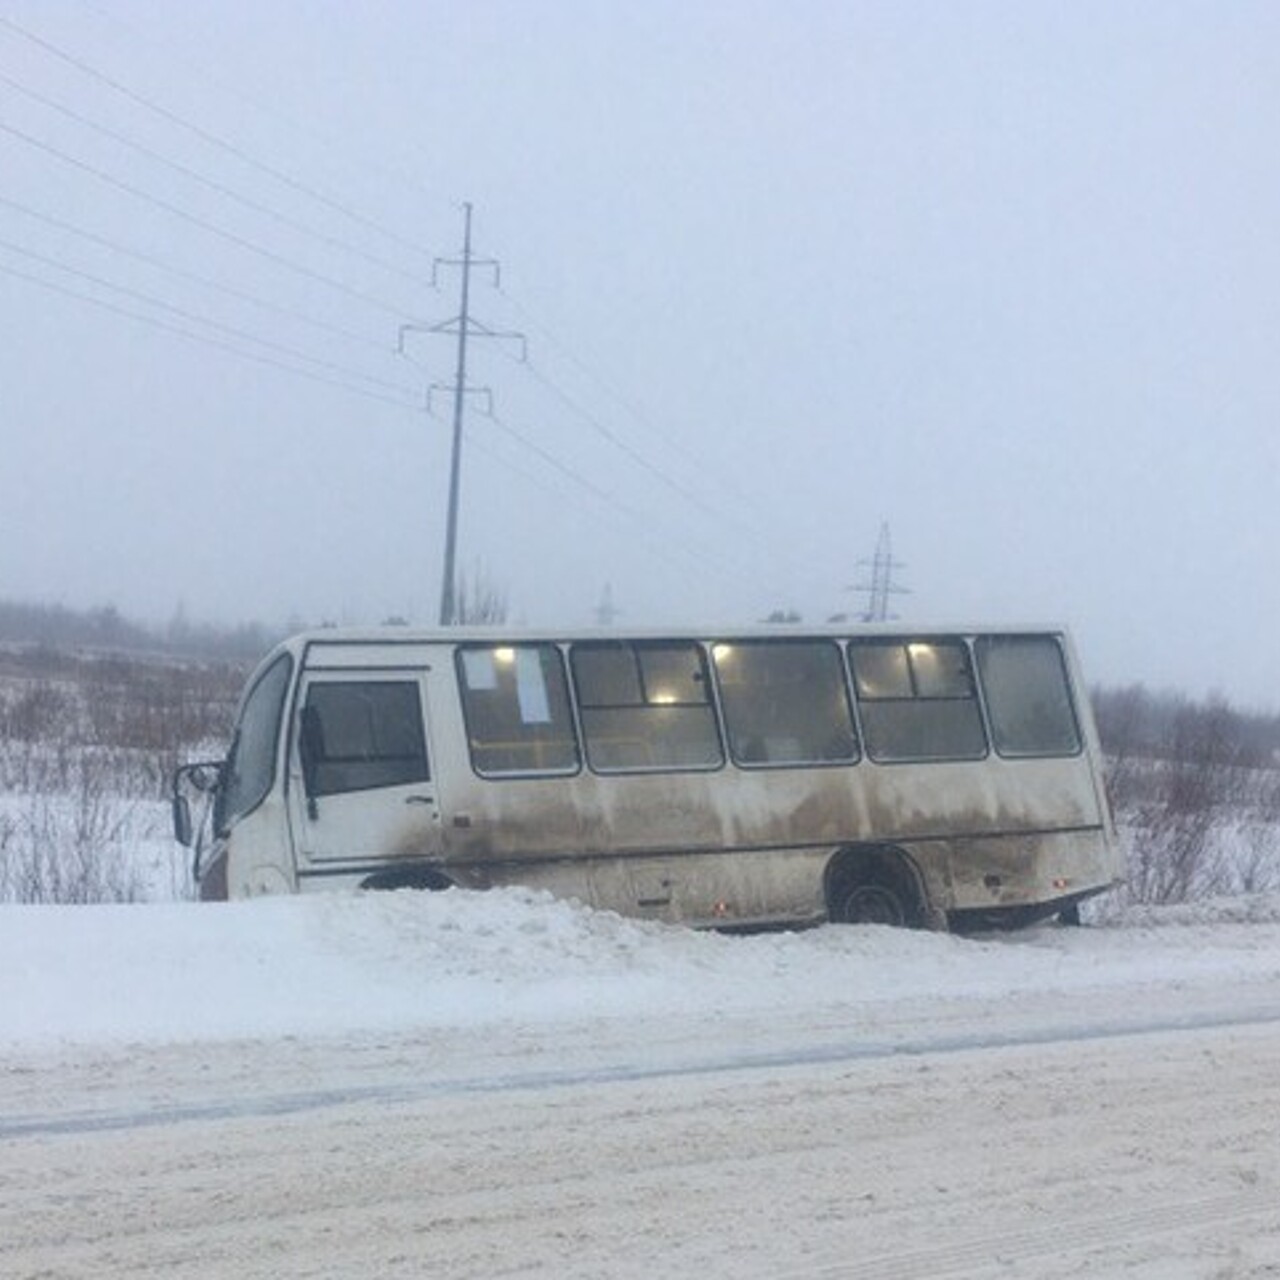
(182, 831)
(205, 777)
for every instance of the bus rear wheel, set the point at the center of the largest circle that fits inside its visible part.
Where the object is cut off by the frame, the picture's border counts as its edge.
(876, 884)
(872, 903)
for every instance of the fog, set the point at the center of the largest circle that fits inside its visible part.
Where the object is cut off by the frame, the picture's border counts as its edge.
(1001, 276)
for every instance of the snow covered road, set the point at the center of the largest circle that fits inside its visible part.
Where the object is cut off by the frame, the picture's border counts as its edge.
(466, 1086)
(1155, 1155)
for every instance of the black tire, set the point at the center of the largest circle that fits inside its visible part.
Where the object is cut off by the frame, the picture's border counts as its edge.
(407, 878)
(873, 902)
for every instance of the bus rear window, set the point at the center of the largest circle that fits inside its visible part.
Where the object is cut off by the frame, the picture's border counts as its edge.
(516, 704)
(1028, 698)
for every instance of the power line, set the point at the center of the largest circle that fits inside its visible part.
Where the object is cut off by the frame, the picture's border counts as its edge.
(242, 295)
(613, 503)
(205, 135)
(248, 202)
(204, 338)
(203, 223)
(184, 314)
(618, 443)
(743, 524)
(601, 428)
(622, 517)
(620, 397)
(563, 468)
(540, 451)
(236, 90)
(465, 326)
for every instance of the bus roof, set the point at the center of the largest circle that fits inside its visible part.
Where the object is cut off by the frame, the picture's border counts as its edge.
(466, 634)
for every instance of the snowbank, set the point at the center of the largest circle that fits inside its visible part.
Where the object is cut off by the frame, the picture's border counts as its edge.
(336, 964)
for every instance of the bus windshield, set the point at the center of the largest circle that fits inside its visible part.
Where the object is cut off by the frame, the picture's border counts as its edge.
(250, 768)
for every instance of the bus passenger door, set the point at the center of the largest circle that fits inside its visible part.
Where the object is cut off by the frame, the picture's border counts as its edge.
(361, 787)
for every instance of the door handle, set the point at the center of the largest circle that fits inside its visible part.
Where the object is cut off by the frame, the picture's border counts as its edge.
(419, 800)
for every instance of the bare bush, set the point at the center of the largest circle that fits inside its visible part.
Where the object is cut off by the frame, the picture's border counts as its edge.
(1195, 789)
(87, 746)
(479, 602)
(70, 847)
(38, 712)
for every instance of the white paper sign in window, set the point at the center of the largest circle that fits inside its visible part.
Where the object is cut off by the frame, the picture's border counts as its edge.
(479, 666)
(531, 687)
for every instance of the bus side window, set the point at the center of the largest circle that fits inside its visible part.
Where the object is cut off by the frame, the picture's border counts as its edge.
(917, 700)
(1028, 698)
(515, 701)
(785, 702)
(645, 706)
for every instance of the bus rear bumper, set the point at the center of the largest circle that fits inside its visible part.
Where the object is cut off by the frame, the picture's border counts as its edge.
(1019, 915)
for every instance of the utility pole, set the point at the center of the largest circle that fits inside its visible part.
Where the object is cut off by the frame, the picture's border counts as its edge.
(448, 584)
(881, 586)
(463, 326)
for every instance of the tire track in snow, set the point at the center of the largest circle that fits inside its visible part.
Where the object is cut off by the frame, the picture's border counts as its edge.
(274, 1105)
(1065, 1237)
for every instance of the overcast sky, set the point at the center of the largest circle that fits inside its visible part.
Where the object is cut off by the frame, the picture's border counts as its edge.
(1004, 276)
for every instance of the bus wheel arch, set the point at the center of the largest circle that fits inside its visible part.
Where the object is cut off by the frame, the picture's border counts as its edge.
(876, 884)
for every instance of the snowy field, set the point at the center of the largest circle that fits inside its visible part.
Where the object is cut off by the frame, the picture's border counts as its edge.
(506, 1085)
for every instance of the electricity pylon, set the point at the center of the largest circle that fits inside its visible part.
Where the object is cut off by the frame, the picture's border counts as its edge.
(606, 611)
(464, 326)
(881, 586)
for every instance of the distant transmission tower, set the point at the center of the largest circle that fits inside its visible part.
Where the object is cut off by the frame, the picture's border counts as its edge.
(606, 611)
(463, 326)
(881, 586)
